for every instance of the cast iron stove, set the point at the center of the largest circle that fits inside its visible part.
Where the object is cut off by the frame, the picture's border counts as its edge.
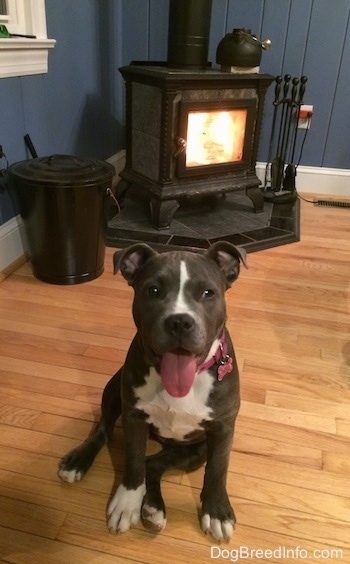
(190, 134)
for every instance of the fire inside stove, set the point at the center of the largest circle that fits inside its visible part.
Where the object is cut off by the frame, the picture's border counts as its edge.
(215, 137)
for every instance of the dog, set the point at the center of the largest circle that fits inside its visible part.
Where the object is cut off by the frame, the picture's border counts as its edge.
(179, 384)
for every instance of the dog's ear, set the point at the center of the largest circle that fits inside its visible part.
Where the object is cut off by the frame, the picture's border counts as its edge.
(228, 258)
(130, 260)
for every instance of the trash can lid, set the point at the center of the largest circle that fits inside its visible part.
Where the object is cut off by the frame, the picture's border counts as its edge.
(62, 170)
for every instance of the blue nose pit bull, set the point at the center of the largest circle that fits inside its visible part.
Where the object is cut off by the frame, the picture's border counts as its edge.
(179, 384)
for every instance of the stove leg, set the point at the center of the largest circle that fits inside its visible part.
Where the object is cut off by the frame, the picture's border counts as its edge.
(162, 212)
(257, 197)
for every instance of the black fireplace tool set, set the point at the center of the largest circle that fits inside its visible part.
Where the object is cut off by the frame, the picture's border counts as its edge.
(280, 172)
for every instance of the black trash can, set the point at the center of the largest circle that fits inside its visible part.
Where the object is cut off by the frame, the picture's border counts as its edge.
(64, 202)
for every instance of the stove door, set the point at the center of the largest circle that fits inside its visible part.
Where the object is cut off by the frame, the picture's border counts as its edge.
(215, 136)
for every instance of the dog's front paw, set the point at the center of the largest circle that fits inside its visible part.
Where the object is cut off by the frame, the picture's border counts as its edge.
(153, 512)
(73, 466)
(125, 508)
(219, 530)
(218, 518)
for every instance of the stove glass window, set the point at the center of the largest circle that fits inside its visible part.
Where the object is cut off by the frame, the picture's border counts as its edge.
(215, 137)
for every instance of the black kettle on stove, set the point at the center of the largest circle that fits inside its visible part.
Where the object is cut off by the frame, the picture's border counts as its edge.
(241, 49)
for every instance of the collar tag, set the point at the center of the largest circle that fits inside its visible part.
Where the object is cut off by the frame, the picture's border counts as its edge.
(224, 366)
(222, 361)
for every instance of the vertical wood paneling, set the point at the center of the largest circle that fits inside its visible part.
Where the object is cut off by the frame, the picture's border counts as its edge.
(11, 122)
(322, 59)
(36, 110)
(135, 31)
(336, 153)
(11, 118)
(158, 30)
(296, 38)
(245, 13)
(275, 27)
(73, 78)
(118, 82)
(217, 26)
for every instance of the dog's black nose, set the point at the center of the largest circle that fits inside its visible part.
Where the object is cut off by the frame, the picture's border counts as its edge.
(179, 324)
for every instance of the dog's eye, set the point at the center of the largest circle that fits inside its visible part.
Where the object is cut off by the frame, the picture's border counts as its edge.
(207, 294)
(153, 291)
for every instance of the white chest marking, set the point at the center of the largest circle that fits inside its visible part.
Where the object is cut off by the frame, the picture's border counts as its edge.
(175, 417)
(180, 305)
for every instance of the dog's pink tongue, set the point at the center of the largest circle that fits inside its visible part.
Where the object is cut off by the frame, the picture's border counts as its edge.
(177, 372)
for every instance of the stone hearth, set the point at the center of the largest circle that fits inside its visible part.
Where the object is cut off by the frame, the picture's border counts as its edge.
(198, 224)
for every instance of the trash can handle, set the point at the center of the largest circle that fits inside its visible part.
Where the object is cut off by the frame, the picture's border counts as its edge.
(112, 196)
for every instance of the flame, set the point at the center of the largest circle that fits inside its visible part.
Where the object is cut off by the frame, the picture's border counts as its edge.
(215, 137)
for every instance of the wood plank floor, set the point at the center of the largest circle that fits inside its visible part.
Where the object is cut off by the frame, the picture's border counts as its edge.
(289, 478)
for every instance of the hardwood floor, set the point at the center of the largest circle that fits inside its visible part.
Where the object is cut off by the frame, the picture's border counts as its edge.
(289, 478)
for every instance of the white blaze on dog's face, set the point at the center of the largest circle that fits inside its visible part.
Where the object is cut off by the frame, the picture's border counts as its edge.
(180, 305)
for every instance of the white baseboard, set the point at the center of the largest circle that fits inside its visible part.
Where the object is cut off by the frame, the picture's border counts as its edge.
(13, 242)
(314, 180)
(317, 180)
(118, 161)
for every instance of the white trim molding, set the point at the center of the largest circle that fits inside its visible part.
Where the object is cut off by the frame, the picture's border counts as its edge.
(118, 161)
(20, 56)
(13, 242)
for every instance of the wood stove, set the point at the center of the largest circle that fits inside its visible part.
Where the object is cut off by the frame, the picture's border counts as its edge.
(191, 133)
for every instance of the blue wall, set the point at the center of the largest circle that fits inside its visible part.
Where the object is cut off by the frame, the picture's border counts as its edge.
(78, 107)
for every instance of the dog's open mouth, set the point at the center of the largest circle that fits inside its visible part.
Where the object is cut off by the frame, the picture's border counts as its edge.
(177, 370)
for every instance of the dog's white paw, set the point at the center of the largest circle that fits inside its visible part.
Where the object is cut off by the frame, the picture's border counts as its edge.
(219, 530)
(153, 518)
(125, 508)
(69, 475)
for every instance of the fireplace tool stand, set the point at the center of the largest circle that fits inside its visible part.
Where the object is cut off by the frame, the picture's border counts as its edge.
(280, 172)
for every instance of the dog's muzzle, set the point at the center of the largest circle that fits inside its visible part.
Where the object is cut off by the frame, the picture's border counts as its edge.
(182, 352)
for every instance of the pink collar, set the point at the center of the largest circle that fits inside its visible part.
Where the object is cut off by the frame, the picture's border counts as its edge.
(221, 359)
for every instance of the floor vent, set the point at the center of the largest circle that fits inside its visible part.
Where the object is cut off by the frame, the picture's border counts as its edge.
(332, 203)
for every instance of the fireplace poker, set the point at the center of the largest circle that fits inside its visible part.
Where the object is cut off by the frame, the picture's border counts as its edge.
(276, 163)
(291, 104)
(302, 88)
(276, 104)
(291, 172)
(284, 102)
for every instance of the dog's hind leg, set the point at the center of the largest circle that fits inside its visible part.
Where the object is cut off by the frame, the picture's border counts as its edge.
(76, 463)
(180, 457)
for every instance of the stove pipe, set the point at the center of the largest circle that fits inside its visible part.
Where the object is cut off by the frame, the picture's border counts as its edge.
(188, 35)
